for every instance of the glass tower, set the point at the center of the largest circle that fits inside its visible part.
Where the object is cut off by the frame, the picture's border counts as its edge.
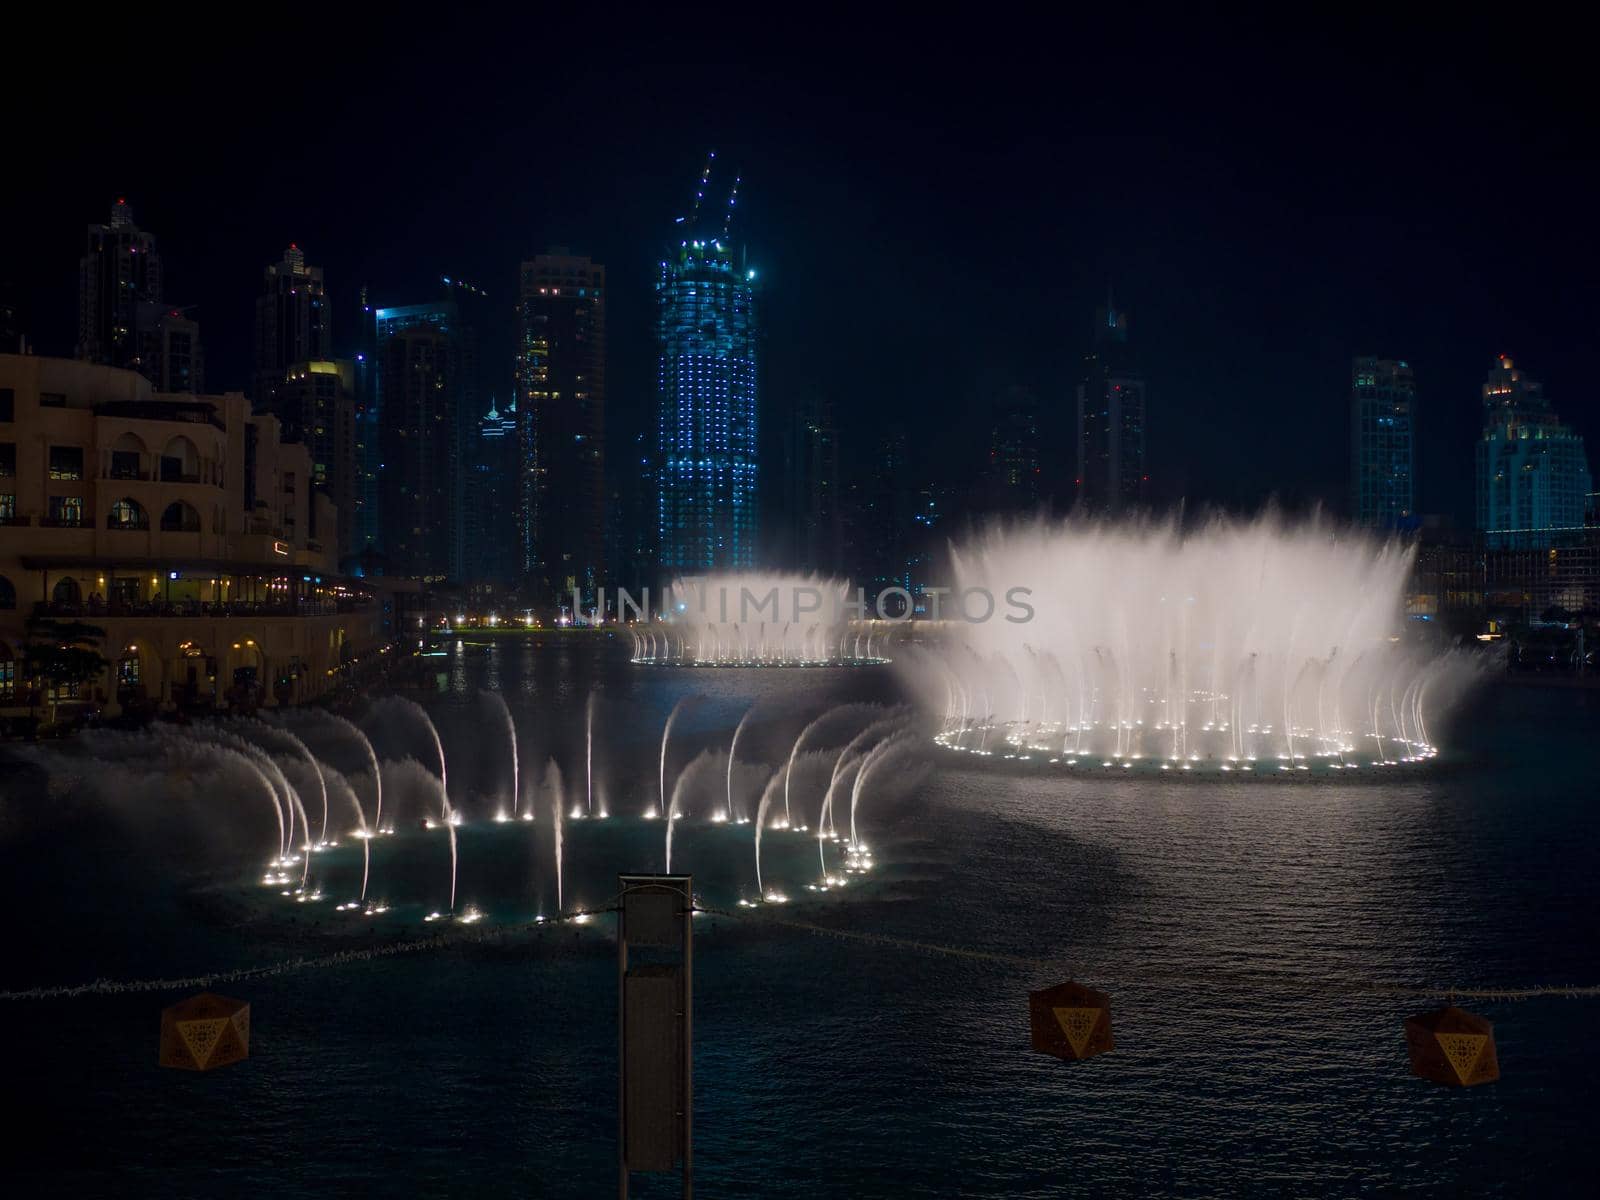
(706, 510)
(1533, 475)
(1383, 414)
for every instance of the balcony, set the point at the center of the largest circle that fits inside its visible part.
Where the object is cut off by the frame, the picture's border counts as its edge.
(191, 412)
(78, 522)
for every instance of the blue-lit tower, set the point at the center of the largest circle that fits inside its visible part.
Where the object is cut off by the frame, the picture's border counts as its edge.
(706, 509)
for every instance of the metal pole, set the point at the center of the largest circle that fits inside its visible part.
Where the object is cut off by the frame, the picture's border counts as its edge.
(655, 1065)
(622, 1069)
(688, 1040)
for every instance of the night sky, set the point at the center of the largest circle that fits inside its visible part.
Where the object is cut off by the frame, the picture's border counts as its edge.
(935, 207)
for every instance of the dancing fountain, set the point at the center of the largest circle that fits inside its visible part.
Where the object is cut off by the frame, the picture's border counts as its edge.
(750, 619)
(1259, 647)
(503, 855)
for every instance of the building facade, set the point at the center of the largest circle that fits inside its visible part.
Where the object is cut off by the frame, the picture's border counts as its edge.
(707, 418)
(1533, 474)
(1111, 475)
(1383, 452)
(561, 405)
(181, 526)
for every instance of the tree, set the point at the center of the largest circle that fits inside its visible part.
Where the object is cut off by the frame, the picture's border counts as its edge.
(62, 653)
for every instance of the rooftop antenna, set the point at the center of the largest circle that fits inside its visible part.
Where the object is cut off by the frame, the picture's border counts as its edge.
(733, 198)
(700, 189)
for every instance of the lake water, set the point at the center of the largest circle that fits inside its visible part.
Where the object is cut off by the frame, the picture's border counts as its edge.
(831, 1067)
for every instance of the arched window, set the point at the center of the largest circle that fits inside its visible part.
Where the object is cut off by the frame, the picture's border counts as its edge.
(180, 461)
(127, 457)
(66, 591)
(180, 517)
(8, 594)
(127, 513)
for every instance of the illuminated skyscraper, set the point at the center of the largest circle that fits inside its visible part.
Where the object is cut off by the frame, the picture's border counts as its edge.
(1533, 475)
(561, 403)
(707, 512)
(1111, 411)
(1383, 463)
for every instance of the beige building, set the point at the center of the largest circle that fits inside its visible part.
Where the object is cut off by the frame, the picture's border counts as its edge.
(179, 524)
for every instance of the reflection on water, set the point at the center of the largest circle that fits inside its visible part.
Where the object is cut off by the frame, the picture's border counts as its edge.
(826, 1068)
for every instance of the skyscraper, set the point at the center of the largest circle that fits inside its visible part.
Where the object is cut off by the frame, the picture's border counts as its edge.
(707, 508)
(812, 488)
(561, 402)
(119, 270)
(1383, 462)
(293, 324)
(1014, 451)
(170, 355)
(421, 393)
(315, 406)
(1533, 475)
(1111, 473)
(492, 492)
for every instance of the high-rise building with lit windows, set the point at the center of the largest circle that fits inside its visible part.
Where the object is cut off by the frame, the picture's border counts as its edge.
(1383, 450)
(561, 406)
(707, 511)
(1533, 475)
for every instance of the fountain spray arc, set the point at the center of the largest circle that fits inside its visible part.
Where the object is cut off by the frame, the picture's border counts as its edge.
(666, 733)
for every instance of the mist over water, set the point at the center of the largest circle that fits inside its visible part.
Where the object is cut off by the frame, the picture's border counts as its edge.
(753, 618)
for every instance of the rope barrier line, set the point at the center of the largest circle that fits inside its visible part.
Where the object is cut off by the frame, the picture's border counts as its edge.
(338, 958)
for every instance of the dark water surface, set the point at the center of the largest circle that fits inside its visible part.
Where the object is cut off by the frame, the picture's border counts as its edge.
(835, 1068)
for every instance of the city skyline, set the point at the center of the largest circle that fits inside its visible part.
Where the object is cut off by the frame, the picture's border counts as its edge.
(1254, 262)
(572, 528)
